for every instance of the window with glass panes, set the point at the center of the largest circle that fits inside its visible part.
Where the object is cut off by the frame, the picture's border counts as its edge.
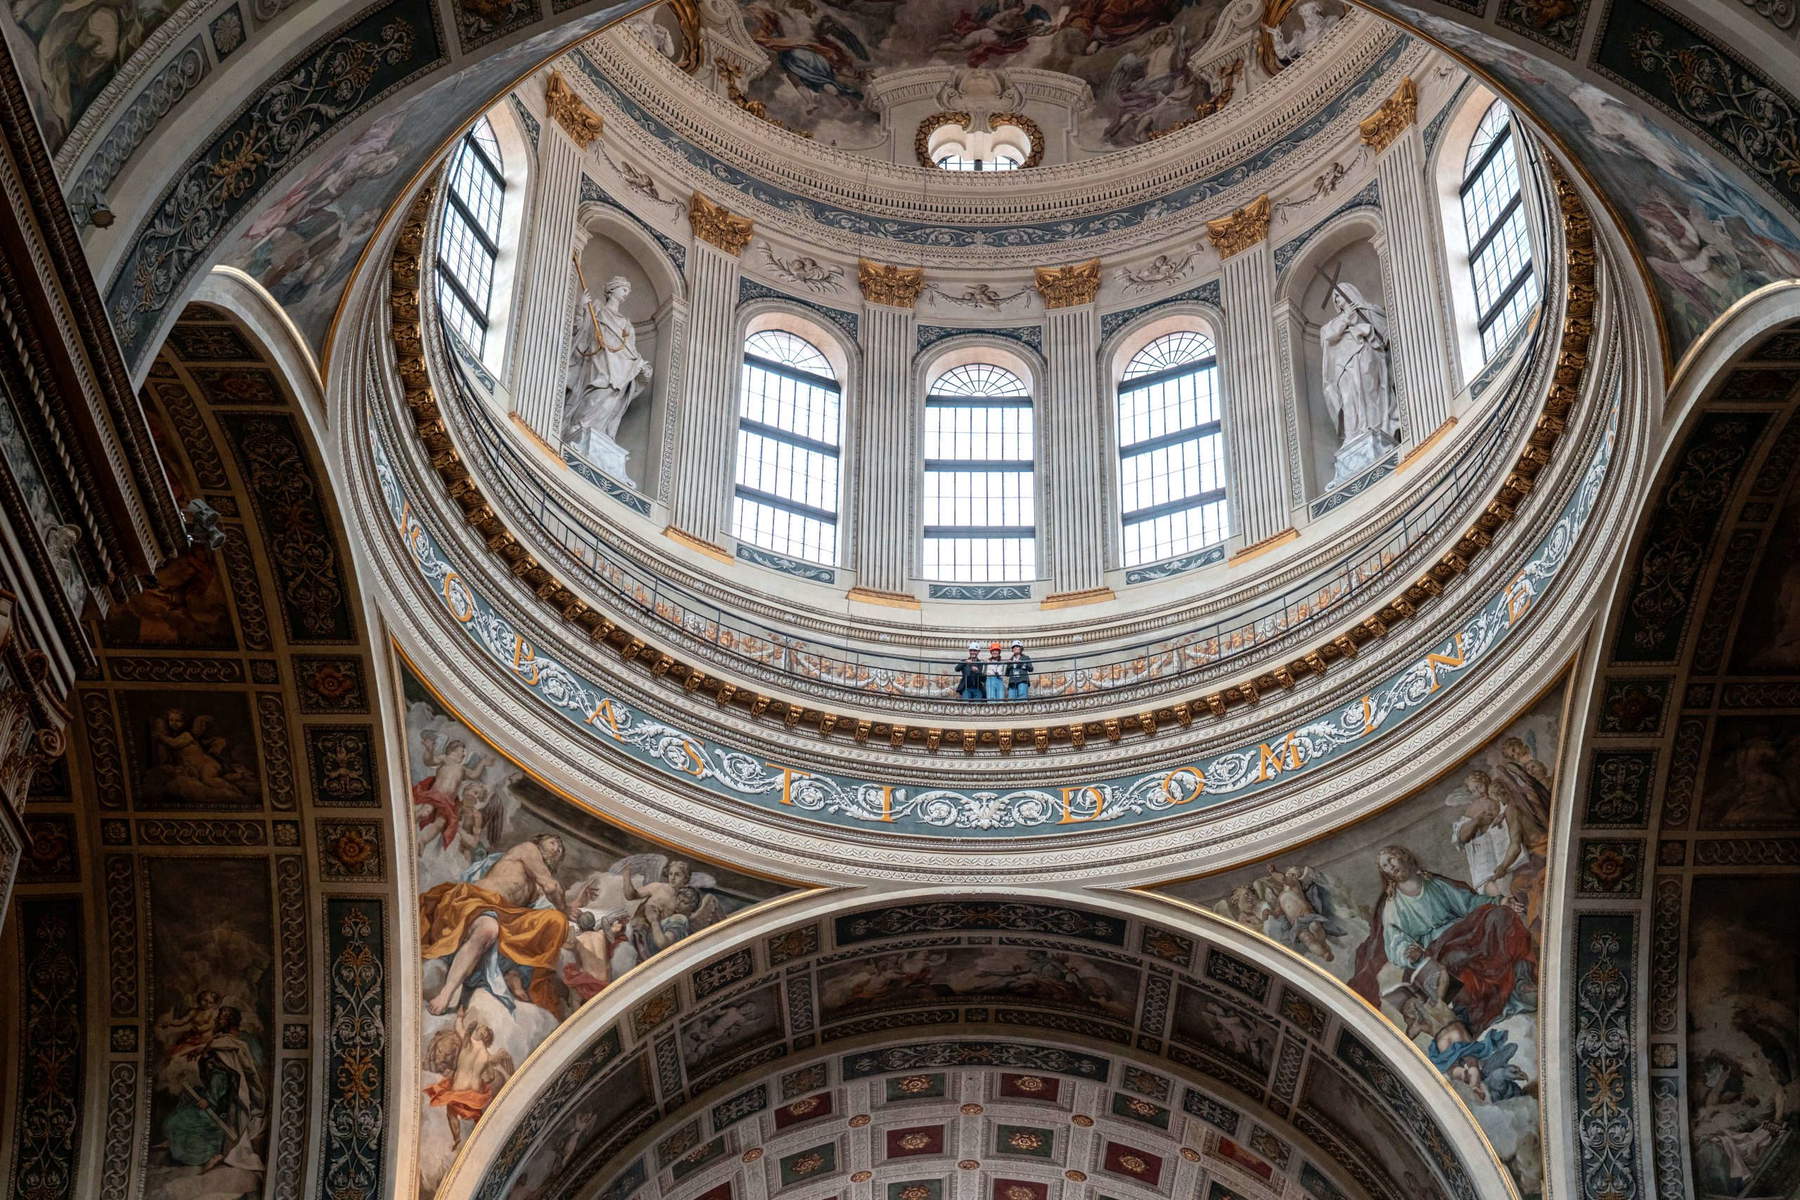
(1493, 208)
(1171, 450)
(789, 418)
(469, 243)
(980, 477)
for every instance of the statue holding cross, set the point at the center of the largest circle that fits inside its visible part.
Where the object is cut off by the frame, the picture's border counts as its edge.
(1359, 391)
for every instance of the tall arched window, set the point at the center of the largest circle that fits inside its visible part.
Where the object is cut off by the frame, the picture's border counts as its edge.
(980, 478)
(1171, 451)
(469, 244)
(789, 421)
(1493, 208)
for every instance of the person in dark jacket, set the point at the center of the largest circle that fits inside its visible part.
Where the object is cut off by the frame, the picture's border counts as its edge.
(1018, 673)
(969, 683)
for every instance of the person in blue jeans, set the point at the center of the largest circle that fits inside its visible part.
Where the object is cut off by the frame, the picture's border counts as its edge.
(1018, 673)
(995, 674)
(970, 673)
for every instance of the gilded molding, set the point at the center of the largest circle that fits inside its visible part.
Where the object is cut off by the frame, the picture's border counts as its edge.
(407, 271)
(1032, 129)
(1242, 229)
(718, 226)
(884, 284)
(1065, 287)
(1391, 119)
(567, 109)
(929, 126)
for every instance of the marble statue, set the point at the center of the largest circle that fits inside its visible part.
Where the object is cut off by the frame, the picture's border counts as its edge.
(1359, 394)
(606, 373)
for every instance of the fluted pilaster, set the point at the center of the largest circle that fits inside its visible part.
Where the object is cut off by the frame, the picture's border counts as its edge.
(886, 410)
(545, 283)
(1255, 398)
(1073, 415)
(1417, 314)
(707, 439)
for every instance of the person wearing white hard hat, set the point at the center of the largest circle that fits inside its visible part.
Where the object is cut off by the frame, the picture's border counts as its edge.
(969, 675)
(1018, 673)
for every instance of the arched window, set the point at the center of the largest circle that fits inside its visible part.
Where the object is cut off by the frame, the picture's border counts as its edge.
(1493, 208)
(955, 147)
(789, 421)
(980, 478)
(469, 244)
(1171, 450)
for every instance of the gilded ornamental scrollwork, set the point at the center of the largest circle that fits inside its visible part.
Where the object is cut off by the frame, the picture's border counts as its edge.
(1242, 229)
(1065, 287)
(885, 284)
(929, 126)
(1032, 130)
(1391, 119)
(718, 226)
(567, 109)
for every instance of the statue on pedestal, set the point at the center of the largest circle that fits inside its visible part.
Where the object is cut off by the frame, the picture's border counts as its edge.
(1359, 392)
(606, 373)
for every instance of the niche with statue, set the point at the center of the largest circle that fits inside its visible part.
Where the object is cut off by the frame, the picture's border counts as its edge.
(1334, 309)
(628, 316)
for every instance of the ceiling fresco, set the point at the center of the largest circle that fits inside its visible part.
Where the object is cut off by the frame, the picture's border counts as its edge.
(1142, 59)
(530, 906)
(965, 1046)
(220, 817)
(1432, 911)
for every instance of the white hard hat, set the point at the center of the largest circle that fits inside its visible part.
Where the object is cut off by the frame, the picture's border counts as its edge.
(1020, 645)
(974, 645)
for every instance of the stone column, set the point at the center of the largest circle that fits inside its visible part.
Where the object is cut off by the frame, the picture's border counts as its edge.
(1417, 313)
(1256, 402)
(1072, 415)
(546, 272)
(886, 452)
(700, 501)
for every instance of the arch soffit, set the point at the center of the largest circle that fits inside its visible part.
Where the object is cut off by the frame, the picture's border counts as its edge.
(667, 984)
(977, 347)
(1146, 327)
(793, 316)
(1366, 223)
(1637, 923)
(603, 220)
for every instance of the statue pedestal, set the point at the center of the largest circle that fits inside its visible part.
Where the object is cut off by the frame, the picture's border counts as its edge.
(1359, 454)
(603, 453)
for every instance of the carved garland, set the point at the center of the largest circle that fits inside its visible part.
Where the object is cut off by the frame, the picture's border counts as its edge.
(407, 269)
(567, 109)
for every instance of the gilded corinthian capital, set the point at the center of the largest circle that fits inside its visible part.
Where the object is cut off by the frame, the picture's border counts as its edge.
(1395, 114)
(884, 284)
(579, 121)
(1065, 287)
(1242, 229)
(718, 225)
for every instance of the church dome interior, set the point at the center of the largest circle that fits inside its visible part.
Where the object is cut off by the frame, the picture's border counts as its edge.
(859, 600)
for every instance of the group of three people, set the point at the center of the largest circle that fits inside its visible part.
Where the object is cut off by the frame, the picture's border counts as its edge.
(994, 677)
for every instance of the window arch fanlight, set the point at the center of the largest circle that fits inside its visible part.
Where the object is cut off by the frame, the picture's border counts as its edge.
(948, 141)
(790, 416)
(980, 477)
(1501, 271)
(469, 243)
(1171, 449)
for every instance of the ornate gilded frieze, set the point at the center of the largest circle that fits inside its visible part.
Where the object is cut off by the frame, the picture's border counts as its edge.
(885, 284)
(718, 226)
(1242, 229)
(1065, 287)
(568, 110)
(1395, 114)
(880, 281)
